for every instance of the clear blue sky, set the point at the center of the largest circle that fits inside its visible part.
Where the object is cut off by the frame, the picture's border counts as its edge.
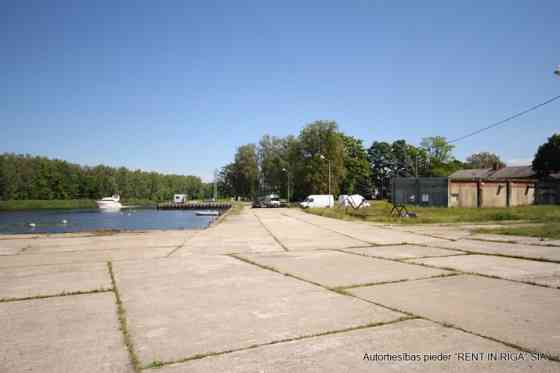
(176, 86)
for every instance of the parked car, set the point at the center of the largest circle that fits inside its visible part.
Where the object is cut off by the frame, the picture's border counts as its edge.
(258, 203)
(317, 201)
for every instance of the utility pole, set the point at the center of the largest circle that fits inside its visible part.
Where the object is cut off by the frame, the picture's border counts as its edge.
(215, 185)
(329, 161)
(288, 173)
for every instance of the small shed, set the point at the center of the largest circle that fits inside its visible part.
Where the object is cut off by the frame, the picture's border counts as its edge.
(492, 187)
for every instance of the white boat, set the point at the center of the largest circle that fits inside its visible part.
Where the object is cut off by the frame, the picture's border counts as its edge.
(207, 213)
(109, 203)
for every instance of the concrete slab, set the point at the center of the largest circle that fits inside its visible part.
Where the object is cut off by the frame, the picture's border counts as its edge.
(237, 233)
(403, 251)
(183, 306)
(363, 231)
(448, 232)
(297, 235)
(519, 314)
(512, 249)
(517, 239)
(54, 244)
(63, 334)
(516, 269)
(50, 280)
(92, 256)
(344, 352)
(336, 269)
(10, 250)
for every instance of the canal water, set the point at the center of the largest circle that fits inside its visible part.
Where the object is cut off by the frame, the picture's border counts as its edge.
(80, 220)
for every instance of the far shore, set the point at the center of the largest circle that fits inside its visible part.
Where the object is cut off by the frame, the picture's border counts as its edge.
(15, 205)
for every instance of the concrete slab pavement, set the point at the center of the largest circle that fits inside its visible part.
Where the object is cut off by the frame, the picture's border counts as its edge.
(511, 249)
(346, 352)
(519, 314)
(297, 235)
(543, 273)
(402, 251)
(78, 333)
(54, 279)
(363, 231)
(336, 269)
(84, 256)
(182, 307)
(236, 233)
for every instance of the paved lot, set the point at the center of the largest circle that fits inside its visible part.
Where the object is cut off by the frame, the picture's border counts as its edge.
(278, 290)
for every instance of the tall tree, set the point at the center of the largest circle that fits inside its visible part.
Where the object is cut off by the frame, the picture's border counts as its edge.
(438, 149)
(358, 175)
(321, 148)
(547, 159)
(484, 160)
(273, 159)
(382, 162)
(245, 171)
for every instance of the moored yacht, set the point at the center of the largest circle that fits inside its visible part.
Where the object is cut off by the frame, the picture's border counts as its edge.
(109, 203)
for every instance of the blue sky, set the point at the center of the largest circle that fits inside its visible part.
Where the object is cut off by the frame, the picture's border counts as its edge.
(176, 86)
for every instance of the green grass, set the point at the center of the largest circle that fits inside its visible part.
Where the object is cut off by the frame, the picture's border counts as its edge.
(548, 230)
(47, 204)
(380, 211)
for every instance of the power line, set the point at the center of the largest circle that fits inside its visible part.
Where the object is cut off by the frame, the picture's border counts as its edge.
(505, 120)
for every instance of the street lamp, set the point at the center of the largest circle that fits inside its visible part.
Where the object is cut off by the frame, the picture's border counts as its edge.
(557, 71)
(287, 173)
(323, 158)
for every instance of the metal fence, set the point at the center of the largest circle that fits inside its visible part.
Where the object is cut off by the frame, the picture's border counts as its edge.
(422, 191)
(547, 192)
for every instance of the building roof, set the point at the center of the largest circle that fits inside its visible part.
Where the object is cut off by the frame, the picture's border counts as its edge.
(478, 173)
(513, 172)
(518, 172)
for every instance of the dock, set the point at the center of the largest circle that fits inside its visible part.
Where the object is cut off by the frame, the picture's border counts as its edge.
(194, 206)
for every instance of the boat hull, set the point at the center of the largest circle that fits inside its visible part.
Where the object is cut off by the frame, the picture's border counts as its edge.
(108, 205)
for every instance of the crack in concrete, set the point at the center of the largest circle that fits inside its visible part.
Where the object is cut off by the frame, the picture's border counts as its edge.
(159, 364)
(61, 294)
(270, 232)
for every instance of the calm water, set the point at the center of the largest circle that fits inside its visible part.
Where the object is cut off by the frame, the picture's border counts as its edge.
(51, 221)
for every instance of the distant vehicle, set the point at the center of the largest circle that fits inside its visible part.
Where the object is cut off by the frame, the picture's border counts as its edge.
(318, 201)
(180, 198)
(109, 203)
(270, 200)
(354, 200)
(258, 203)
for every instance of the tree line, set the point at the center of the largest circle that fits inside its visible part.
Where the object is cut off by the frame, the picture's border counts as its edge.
(24, 177)
(305, 160)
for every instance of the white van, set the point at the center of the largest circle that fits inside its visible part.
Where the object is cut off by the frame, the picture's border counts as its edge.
(317, 201)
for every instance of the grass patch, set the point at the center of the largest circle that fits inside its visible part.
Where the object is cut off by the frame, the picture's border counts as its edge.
(158, 364)
(62, 294)
(121, 313)
(380, 211)
(13, 205)
(547, 230)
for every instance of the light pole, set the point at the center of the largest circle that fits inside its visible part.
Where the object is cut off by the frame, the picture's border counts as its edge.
(557, 71)
(323, 158)
(287, 173)
(215, 185)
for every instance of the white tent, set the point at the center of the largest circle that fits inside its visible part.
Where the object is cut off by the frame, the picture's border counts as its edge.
(354, 200)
